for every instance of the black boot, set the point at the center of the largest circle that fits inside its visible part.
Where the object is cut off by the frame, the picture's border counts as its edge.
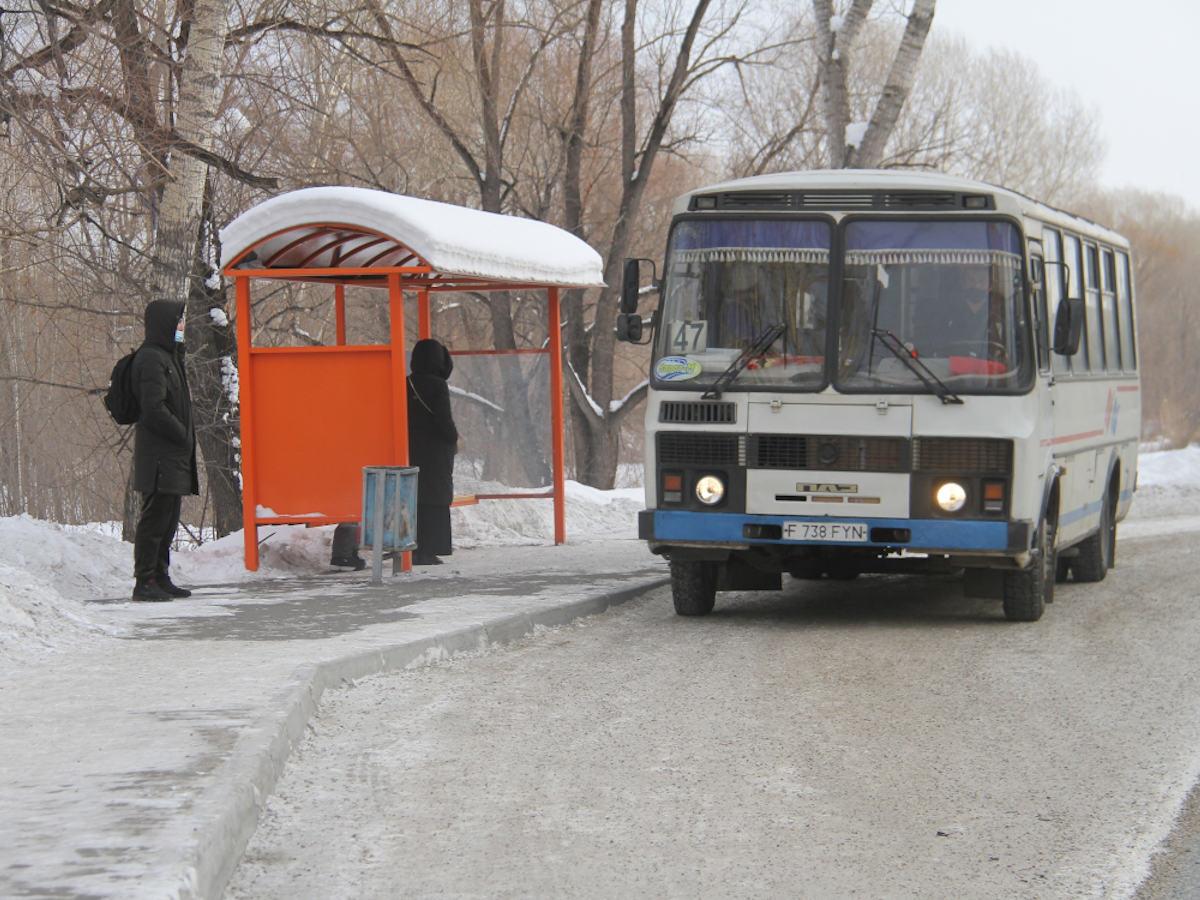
(430, 560)
(345, 547)
(149, 590)
(165, 582)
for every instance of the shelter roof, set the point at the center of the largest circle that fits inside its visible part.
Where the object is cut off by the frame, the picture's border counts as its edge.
(358, 228)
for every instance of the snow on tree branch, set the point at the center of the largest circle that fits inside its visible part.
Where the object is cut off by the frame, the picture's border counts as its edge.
(476, 398)
(616, 406)
(581, 395)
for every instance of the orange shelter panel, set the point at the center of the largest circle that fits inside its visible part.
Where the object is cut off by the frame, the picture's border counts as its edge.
(320, 415)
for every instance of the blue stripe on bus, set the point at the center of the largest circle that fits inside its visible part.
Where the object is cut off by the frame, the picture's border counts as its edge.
(926, 534)
(1074, 515)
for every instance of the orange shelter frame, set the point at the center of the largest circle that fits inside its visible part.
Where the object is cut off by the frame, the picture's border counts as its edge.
(312, 417)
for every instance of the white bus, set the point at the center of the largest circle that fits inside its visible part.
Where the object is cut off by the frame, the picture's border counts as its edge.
(871, 371)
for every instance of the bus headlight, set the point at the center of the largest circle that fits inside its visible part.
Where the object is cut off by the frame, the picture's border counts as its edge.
(951, 496)
(710, 490)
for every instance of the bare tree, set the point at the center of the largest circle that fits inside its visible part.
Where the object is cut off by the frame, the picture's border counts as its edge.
(1164, 234)
(118, 109)
(703, 43)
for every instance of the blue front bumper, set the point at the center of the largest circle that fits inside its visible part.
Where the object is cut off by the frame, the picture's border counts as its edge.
(670, 526)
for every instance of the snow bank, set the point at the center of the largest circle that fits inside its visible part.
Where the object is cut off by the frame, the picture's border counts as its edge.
(78, 563)
(35, 617)
(591, 515)
(1170, 467)
(283, 551)
(46, 573)
(1168, 483)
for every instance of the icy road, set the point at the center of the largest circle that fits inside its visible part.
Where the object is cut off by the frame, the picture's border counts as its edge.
(884, 737)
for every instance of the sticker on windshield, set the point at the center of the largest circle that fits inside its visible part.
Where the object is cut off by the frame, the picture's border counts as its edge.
(676, 368)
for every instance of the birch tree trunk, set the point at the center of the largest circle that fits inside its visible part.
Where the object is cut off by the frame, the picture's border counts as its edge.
(178, 223)
(835, 43)
(836, 38)
(869, 153)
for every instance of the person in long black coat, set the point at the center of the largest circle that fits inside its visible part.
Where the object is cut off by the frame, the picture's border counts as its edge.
(432, 443)
(164, 448)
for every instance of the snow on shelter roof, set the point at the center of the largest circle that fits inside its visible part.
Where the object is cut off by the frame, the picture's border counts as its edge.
(349, 227)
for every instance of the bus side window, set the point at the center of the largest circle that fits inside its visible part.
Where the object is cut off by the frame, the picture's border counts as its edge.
(1074, 260)
(1091, 302)
(1108, 306)
(1125, 300)
(1054, 291)
(1038, 294)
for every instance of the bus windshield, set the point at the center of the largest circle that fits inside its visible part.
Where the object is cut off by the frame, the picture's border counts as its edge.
(728, 281)
(951, 294)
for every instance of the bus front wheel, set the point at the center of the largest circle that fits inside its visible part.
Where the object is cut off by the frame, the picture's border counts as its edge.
(693, 587)
(1027, 592)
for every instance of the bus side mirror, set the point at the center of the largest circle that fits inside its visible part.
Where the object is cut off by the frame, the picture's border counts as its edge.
(631, 284)
(629, 327)
(1068, 326)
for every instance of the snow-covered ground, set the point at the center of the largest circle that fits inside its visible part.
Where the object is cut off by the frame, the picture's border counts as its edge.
(48, 571)
(1168, 483)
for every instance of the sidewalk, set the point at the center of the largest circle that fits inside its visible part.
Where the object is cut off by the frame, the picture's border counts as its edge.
(136, 766)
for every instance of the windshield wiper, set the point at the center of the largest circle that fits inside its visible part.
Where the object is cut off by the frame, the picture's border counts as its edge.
(914, 365)
(759, 346)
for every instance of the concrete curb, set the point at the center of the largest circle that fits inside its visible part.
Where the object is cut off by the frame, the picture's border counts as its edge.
(227, 816)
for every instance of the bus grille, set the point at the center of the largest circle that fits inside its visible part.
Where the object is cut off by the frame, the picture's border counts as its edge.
(837, 453)
(991, 456)
(699, 412)
(678, 448)
(834, 453)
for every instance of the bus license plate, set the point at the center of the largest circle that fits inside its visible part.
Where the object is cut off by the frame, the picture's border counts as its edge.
(838, 532)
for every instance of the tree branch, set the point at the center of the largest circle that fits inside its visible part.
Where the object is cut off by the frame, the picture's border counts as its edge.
(392, 46)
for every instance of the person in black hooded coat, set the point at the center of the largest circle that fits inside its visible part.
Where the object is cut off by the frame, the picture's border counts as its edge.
(432, 443)
(164, 448)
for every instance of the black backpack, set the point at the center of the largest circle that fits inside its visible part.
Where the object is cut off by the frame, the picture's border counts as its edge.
(121, 400)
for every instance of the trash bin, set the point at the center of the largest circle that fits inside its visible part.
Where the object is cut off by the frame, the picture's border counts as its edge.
(389, 513)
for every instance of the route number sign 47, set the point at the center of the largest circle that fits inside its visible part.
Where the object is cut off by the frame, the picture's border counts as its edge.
(688, 337)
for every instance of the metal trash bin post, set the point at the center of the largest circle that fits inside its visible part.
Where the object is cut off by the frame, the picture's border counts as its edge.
(389, 514)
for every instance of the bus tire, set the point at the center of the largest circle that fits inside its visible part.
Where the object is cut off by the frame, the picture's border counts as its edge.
(1027, 591)
(693, 587)
(1096, 552)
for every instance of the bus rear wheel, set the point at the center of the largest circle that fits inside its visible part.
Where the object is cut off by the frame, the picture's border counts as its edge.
(693, 587)
(1027, 592)
(1096, 552)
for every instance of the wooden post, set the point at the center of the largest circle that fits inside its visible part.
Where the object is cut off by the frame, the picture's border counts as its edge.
(339, 305)
(399, 385)
(424, 321)
(246, 413)
(556, 417)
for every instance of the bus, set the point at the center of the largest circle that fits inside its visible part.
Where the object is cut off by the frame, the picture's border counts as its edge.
(881, 371)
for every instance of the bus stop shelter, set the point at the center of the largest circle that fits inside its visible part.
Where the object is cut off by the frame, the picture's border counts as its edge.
(313, 416)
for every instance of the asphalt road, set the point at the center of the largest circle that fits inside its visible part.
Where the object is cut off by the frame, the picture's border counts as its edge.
(879, 738)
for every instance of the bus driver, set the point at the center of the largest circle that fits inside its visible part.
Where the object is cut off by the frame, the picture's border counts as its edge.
(961, 322)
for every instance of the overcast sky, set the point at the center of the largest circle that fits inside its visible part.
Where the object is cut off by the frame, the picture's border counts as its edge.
(1136, 61)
